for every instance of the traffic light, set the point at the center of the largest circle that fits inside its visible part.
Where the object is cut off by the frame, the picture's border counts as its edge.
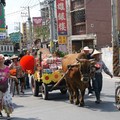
(3, 2)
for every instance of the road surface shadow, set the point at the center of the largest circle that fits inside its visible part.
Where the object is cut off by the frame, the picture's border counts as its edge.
(56, 96)
(104, 106)
(17, 106)
(18, 118)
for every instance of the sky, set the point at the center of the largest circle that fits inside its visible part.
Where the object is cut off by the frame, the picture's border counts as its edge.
(14, 10)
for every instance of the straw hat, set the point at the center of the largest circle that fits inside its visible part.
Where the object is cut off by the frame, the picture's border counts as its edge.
(86, 48)
(96, 52)
(14, 57)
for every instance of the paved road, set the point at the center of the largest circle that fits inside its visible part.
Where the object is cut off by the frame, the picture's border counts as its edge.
(58, 107)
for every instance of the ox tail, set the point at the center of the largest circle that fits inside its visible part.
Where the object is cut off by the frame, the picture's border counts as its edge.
(60, 79)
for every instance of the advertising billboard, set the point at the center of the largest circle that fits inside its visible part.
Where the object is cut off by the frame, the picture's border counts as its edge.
(61, 17)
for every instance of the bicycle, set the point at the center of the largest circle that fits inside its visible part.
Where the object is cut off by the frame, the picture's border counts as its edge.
(117, 95)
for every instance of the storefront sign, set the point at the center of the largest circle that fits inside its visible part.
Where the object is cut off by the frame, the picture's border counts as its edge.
(62, 39)
(61, 17)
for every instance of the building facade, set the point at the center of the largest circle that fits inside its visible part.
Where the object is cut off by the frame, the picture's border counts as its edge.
(90, 23)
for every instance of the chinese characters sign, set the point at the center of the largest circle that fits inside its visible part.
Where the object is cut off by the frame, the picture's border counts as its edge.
(61, 17)
(62, 40)
(24, 27)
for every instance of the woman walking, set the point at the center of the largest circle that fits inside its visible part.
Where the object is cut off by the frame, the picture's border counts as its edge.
(19, 73)
(5, 97)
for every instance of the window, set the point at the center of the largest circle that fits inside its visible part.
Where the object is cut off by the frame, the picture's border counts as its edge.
(10, 48)
(78, 16)
(1, 48)
(79, 29)
(76, 4)
(5, 48)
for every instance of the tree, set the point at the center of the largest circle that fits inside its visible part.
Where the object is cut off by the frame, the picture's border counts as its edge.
(42, 32)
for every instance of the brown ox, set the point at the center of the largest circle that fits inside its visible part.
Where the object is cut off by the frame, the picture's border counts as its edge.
(77, 77)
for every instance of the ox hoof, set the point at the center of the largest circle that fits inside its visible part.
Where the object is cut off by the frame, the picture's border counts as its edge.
(71, 101)
(82, 104)
(77, 102)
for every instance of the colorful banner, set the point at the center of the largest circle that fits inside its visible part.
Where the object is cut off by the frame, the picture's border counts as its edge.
(24, 28)
(2, 16)
(37, 21)
(61, 17)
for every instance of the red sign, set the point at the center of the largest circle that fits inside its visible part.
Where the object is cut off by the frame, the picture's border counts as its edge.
(37, 21)
(61, 17)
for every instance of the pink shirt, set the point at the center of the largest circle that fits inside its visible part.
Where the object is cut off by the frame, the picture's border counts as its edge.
(4, 74)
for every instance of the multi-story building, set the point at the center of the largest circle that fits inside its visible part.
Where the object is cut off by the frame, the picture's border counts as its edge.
(6, 47)
(90, 23)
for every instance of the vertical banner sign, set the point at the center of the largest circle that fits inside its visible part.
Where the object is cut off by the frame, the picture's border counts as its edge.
(2, 17)
(61, 17)
(2, 23)
(24, 28)
(62, 25)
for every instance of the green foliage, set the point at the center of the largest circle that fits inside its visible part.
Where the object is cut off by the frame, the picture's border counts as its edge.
(60, 53)
(42, 31)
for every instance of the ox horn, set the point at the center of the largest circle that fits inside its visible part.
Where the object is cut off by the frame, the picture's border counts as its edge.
(82, 60)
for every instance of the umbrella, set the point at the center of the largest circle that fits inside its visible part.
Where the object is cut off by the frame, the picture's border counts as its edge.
(27, 63)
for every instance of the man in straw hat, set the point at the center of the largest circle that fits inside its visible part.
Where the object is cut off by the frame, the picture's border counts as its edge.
(97, 80)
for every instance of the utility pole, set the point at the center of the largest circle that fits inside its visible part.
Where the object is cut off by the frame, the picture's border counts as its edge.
(115, 42)
(18, 28)
(30, 27)
(69, 42)
(52, 24)
(20, 38)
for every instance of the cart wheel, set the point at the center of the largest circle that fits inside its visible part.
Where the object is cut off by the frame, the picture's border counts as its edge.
(63, 91)
(117, 97)
(44, 91)
(35, 87)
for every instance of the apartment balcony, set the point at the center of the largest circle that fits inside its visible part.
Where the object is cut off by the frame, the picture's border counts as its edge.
(78, 22)
(77, 4)
(79, 29)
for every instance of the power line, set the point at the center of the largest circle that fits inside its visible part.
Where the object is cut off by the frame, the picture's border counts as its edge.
(21, 10)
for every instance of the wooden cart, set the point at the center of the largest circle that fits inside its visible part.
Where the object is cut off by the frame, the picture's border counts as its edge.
(49, 76)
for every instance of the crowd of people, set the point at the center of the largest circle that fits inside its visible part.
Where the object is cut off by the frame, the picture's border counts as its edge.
(21, 78)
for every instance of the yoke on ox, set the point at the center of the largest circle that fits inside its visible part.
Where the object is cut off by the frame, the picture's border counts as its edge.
(77, 77)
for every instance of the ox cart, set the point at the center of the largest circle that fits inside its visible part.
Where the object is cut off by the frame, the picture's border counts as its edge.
(49, 74)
